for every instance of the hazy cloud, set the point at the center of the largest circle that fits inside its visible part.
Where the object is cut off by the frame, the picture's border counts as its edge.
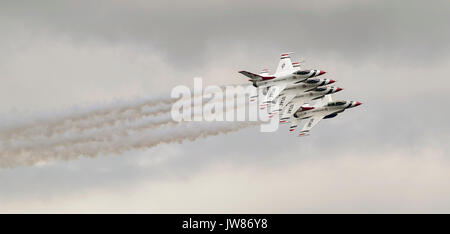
(392, 56)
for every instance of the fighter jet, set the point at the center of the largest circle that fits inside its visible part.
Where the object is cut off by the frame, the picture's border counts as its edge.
(301, 98)
(285, 75)
(291, 92)
(325, 108)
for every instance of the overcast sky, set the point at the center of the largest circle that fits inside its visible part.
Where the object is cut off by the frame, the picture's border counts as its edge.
(390, 154)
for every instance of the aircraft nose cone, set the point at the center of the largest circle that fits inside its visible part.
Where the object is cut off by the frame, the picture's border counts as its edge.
(358, 103)
(332, 81)
(321, 73)
(338, 89)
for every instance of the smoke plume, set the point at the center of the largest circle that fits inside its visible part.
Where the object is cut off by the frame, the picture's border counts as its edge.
(110, 128)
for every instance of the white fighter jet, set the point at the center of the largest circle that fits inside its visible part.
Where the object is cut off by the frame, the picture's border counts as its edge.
(288, 109)
(325, 108)
(296, 90)
(287, 74)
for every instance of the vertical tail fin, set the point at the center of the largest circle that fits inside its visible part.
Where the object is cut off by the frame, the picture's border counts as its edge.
(285, 64)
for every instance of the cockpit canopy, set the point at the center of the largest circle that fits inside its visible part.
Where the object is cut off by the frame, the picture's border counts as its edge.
(337, 103)
(320, 89)
(305, 72)
(312, 81)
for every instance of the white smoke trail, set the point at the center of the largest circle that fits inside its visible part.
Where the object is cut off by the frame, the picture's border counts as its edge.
(20, 124)
(77, 136)
(130, 129)
(78, 116)
(23, 156)
(83, 121)
(49, 128)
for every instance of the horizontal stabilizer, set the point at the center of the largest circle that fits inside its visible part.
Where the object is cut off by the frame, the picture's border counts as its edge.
(256, 77)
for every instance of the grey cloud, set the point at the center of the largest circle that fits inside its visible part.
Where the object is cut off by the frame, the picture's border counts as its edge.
(379, 52)
(352, 29)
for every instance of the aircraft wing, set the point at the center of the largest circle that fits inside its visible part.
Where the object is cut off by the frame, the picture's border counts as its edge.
(285, 99)
(282, 101)
(256, 77)
(274, 91)
(315, 119)
(291, 108)
(294, 123)
(285, 65)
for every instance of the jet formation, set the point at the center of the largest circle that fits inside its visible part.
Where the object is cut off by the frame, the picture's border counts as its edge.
(296, 94)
